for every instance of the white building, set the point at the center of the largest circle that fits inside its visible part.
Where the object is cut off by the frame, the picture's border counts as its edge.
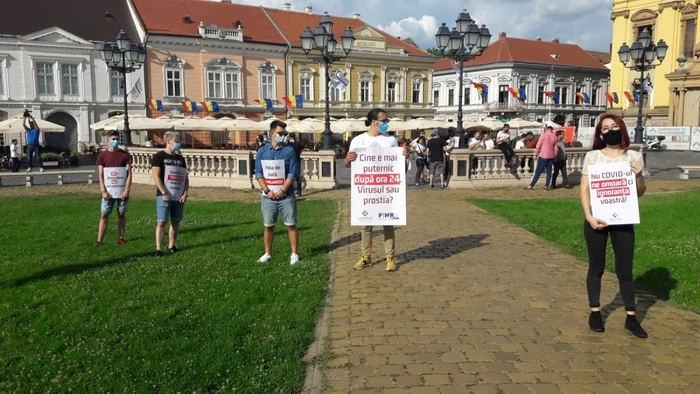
(58, 75)
(532, 66)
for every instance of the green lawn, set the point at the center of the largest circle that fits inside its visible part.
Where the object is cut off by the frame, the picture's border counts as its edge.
(115, 319)
(667, 255)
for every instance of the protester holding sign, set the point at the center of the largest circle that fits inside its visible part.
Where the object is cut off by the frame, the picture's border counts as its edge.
(172, 183)
(376, 137)
(610, 184)
(275, 169)
(114, 171)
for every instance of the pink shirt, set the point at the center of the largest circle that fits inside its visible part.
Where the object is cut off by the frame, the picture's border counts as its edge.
(547, 146)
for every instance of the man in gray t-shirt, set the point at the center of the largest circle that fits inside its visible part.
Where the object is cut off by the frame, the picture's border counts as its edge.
(560, 162)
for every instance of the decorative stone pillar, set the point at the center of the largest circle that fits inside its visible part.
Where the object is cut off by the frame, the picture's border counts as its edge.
(382, 82)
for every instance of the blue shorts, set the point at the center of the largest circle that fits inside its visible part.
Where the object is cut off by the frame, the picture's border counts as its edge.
(287, 207)
(173, 210)
(108, 205)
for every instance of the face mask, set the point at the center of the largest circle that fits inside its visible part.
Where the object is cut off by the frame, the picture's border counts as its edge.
(612, 137)
(281, 139)
(114, 143)
(176, 146)
(383, 128)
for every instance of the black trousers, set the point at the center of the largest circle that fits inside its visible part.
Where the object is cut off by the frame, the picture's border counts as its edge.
(622, 240)
(507, 150)
(560, 165)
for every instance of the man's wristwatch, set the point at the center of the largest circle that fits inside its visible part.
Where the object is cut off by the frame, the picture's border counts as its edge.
(265, 191)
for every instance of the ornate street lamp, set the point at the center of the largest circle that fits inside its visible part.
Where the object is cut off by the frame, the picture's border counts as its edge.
(468, 41)
(640, 57)
(323, 40)
(124, 57)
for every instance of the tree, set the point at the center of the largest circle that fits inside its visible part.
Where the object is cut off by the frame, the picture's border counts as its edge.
(437, 52)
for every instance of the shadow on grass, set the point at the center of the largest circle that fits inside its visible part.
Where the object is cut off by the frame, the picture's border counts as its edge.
(442, 248)
(198, 229)
(657, 280)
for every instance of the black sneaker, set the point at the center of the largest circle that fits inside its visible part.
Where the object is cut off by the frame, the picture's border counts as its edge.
(633, 326)
(159, 254)
(173, 249)
(595, 322)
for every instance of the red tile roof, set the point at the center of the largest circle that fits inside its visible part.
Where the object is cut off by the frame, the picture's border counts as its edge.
(520, 50)
(165, 17)
(292, 23)
(603, 57)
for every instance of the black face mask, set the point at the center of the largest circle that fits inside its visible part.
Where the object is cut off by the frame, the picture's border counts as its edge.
(612, 137)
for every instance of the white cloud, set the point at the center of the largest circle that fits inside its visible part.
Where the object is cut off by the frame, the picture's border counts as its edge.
(418, 29)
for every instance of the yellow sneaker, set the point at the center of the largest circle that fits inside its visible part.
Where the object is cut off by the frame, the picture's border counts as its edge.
(362, 263)
(390, 264)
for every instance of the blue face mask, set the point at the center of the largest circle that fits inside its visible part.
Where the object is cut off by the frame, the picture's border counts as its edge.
(383, 128)
(176, 146)
(281, 139)
(114, 143)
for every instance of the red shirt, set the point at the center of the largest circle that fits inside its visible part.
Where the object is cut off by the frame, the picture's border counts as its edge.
(117, 158)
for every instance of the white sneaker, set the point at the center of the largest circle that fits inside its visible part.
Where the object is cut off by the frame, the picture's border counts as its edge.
(29, 169)
(265, 258)
(41, 169)
(294, 259)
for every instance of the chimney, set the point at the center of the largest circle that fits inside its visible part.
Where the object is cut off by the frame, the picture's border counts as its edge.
(357, 16)
(309, 10)
(556, 40)
(287, 6)
(538, 39)
(502, 35)
(610, 48)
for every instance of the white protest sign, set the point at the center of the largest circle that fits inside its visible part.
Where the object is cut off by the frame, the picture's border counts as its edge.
(585, 136)
(613, 191)
(378, 188)
(677, 138)
(274, 174)
(174, 181)
(115, 180)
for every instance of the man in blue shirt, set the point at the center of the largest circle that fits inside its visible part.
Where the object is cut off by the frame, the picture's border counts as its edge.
(275, 169)
(33, 131)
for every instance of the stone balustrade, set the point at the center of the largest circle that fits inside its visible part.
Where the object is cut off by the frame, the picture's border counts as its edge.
(235, 168)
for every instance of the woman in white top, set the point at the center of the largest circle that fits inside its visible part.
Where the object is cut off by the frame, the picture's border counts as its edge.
(610, 145)
(419, 150)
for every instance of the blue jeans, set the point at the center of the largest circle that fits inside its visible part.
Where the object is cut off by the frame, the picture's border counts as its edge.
(542, 164)
(15, 164)
(31, 150)
(286, 206)
(172, 209)
(108, 206)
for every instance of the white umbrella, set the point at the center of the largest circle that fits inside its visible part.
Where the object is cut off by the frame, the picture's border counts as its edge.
(398, 124)
(552, 124)
(309, 125)
(194, 123)
(138, 122)
(423, 124)
(348, 125)
(242, 124)
(490, 124)
(266, 123)
(15, 125)
(518, 123)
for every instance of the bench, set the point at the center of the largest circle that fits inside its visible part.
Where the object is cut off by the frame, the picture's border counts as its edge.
(29, 176)
(685, 171)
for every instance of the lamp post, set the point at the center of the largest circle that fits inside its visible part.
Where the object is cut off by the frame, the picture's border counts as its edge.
(642, 55)
(468, 41)
(124, 57)
(323, 40)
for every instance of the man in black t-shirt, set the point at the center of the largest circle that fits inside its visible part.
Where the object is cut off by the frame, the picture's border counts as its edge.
(436, 154)
(297, 149)
(172, 184)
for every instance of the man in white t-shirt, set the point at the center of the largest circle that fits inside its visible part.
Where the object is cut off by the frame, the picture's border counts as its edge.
(14, 156)
(375, 137)
(503, 143)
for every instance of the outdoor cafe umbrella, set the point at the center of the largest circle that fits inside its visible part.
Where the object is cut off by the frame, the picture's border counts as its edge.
(196, 123)
(518, 123)
(15, 125)
(423, 124)
(310, 125)
(267, 122)
(241, 124)
(138, 122)
(348, 125)
(490, 124)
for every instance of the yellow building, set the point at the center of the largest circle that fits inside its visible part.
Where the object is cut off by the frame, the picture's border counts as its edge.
(382, 70)
(676, 90)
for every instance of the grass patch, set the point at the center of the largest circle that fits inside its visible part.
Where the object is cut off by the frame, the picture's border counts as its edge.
(666, 250)
(116, 319)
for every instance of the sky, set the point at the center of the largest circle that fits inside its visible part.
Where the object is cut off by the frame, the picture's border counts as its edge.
(586, 23)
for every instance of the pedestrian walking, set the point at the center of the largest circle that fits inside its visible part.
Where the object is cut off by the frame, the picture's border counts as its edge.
(437, 147)
(14, 156)
(545, 153)
(419, 149)
(560, 162)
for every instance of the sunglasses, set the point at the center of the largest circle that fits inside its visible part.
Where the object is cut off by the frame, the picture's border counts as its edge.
(386, 120)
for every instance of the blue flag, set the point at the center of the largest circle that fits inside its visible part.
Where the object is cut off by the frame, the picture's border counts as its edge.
(194, 108)
(215, 106)
(586, 99)
(300, 100)
(556, 97)
(523, 96)
(268, 104)
(159, 105)
(636, 95)
(485, 92)
(615, 98)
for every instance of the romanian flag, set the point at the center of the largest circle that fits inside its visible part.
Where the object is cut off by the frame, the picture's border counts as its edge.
(523, 96)
(477, 85)
(187, 105)
(292, 101)
(299, 100)
(268, 104)
(609, 97)
(548, 93)
(514, 92)
(193, 104)
(579, 95)
(616, 99)
(586, 99)
(262, 103)
(636, 95)
(629, 96)
(288, 102)
(152, 104)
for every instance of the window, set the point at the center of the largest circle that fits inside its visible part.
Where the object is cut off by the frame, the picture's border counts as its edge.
(173, 83)
(306, 88)
(436, 97)
(214, 84)
(467, 96)
(69, 81)
(593, 122)
(450, 97)
(594, 96)
(641, 28)
(336, 94)
(364, 91)
(503, 94)
(268, 86)
(689, 37)
(44, 77)
(231, 84)
(416, 96)
(563, 92)
(115, 83)
(540, 93)
(391, 92)
(576, 98)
